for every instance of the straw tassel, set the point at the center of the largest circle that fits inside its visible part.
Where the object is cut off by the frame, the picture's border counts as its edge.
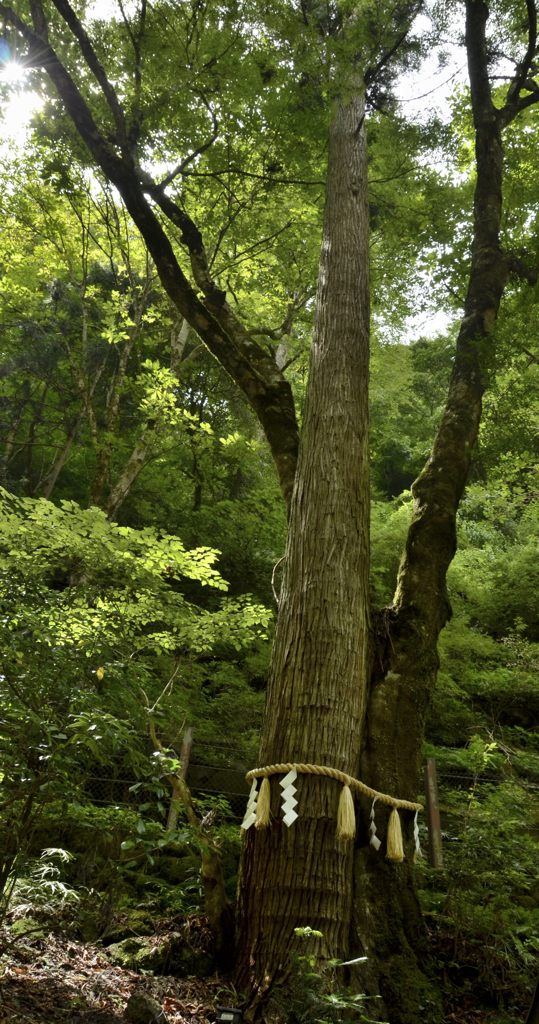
(263, 805)
(395, 850)
(346, 816)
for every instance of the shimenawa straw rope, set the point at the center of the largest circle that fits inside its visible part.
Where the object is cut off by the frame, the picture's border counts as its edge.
(258, 811)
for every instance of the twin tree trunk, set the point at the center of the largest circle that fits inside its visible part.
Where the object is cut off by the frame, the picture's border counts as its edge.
(320, 680)
(344, 691)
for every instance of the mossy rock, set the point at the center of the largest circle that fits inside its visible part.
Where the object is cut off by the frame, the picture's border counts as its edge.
(137, 953)
(131, 925)
(28, 926)
(167, 953)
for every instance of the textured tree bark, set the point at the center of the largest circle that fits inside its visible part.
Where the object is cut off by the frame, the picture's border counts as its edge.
(316, 695)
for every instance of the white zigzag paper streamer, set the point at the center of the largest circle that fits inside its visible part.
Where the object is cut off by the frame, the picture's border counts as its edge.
(250, 813)
(374, 840)
(416, 837)
(288, 797)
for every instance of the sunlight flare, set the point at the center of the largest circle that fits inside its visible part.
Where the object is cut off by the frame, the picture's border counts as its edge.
(19, 102)
(13, 73)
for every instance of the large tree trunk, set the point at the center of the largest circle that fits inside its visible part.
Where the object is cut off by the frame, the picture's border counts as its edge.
(317, 690)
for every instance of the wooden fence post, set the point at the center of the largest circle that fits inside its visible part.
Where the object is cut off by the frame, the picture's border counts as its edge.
(176, 783)
(185, 752)
(433, 814)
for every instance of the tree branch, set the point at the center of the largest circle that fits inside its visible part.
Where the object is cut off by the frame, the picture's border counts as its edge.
(38, 18)
(522, 269)
(181, 167)
(135, 37)
(252, 368)
(431, 542)
(270, 179)
(277, 333)
(240, 256)
(476, 19)
(523, 80)
(95, 66)
(372, 73)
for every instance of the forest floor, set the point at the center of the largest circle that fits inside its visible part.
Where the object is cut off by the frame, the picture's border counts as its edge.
(49, 980)
(53, 979)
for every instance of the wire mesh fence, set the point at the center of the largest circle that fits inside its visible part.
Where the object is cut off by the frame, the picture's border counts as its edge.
(226, 780)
